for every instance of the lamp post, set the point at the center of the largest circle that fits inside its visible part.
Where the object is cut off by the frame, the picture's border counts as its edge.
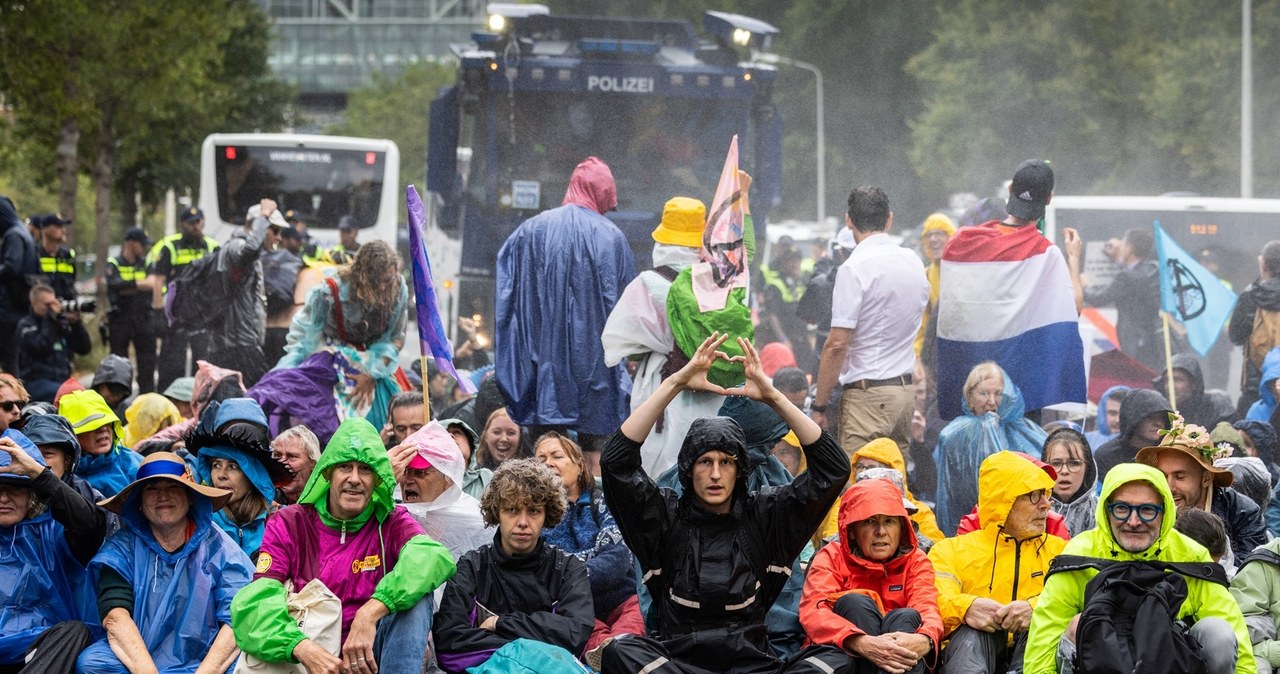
(1246, 100)
(820, 141)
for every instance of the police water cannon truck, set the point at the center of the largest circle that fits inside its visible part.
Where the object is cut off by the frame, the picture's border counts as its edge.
(535, 94)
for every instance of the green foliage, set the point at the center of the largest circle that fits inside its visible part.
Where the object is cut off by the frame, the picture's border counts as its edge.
(397, 108)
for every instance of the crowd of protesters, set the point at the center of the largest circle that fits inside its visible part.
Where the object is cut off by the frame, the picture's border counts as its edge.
(645, 480)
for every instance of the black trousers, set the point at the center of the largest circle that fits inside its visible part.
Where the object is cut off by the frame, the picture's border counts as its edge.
(173, 354)
(247, 360)
(55, 651)
(273, 345)
(124, 329)
(860, 610)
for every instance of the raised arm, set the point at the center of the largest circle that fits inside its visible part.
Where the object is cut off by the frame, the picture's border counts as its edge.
(691, 377)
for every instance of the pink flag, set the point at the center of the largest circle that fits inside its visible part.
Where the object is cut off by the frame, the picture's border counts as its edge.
(724, 254)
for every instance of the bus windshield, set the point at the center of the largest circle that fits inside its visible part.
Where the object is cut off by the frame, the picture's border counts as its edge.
(325, 183)
(657, 148)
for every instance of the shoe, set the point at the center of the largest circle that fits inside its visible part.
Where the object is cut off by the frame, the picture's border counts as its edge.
(594, 656)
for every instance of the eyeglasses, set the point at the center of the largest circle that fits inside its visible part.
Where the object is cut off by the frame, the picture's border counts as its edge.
(10, 405)
(1067, 466)
(1034, 496)
(1147, 512)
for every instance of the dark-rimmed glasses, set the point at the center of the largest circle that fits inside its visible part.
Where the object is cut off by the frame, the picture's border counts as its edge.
(1147, 512)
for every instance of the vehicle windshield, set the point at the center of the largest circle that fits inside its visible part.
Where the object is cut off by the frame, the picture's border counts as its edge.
(325, 183)
(657, 148)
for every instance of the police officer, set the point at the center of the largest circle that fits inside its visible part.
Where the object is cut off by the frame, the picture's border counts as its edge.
(311, 253)
(57, 260)
(167, 258)
(347, 247)
(129, 291)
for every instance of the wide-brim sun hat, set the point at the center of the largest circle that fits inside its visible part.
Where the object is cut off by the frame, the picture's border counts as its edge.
(1194, 442)
(171, 467)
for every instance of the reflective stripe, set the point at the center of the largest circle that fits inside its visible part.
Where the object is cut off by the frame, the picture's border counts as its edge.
(653, 665)
(684, 602)
(86, 420)
(813, 660)
(127, 272)
(737, 607)
(55, 265)
(650, 574)
(785, 570)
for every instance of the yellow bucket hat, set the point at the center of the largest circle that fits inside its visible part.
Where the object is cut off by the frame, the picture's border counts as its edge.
(683, 220)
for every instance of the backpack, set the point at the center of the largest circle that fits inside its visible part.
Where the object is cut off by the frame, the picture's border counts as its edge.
(279, 276)
(1265, 335)
(1130, 619)
(197, 296)
(690, 326)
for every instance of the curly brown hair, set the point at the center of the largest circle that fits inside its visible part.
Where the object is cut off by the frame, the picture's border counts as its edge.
(524, 482)
(366, 278)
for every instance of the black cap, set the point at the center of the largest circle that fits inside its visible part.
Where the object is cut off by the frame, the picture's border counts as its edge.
(291, 215)
(290, 233)
(137, 234)
(1030, 190)
(190, 214)
(347, 222)
(48, 219)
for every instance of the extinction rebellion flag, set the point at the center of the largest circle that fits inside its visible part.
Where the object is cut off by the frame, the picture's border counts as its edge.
(1191, 294)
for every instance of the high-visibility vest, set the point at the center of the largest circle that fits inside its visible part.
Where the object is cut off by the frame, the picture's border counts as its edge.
(179, 257)
(129, 272)
(56, 264)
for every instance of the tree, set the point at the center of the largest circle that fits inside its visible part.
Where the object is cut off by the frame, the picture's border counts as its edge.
(397, 108)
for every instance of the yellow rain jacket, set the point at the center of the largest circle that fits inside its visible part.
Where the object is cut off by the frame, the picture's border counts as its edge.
(886, 451)
(987, 563)
(1063, 595)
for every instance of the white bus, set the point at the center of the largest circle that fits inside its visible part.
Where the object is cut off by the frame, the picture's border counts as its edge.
(324, 177)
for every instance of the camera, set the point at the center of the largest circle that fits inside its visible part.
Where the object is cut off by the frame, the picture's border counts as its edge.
(81, 305)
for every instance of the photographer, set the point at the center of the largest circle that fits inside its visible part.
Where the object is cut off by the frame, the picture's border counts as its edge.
(48, 338)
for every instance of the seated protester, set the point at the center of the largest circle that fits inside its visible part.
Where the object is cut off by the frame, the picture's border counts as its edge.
(48, 532)
(165, 580)
(924, 543)
(589, 533)
(113, 380)
(147, 415)
(989, 580)
(1204, 528)
(869, 602)
(1195, 404)
(1260, 441)
(346, 532)
(475, 479)
(1143, 414)
(787, 452)
(518, 586)
(1256, 588)
(500, 440)
(1073, 497)
(299, 449)
(211, 384)
(1106, 425)
(232, 453)
(104, 463)
(884, 453)
(428, 470)
(1136, 514)
(715, 557)
(1054, 524)
(61, 452)
(1185, 455)
(761, 427)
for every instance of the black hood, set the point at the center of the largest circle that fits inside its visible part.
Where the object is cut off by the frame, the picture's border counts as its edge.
(1137, 404)
(711, 434)
(115, 371)
(51, 429)
(762, 428)
(1189, 364)
(8, 215)
(1266, 292)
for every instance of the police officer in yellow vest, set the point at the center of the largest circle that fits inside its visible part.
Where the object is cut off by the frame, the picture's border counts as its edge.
(129, 316)
(57, 260)
(168, 256)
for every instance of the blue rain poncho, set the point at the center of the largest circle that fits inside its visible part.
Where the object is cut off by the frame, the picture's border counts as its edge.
(559, 276)
(968, 439)
(181, 598)
(41, 583)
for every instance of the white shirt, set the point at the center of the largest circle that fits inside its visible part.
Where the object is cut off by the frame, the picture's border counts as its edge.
(880, 294)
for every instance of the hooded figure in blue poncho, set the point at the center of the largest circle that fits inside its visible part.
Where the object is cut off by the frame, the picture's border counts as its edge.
(48, 532)
(233, 452)
(165, 581)
(1104, 429)
(993, 421)
(559, 276)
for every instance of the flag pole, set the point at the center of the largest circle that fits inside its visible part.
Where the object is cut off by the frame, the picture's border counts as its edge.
(426, 392)
(1168, 362)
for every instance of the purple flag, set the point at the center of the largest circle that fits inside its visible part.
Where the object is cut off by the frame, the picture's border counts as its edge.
(430, 329)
